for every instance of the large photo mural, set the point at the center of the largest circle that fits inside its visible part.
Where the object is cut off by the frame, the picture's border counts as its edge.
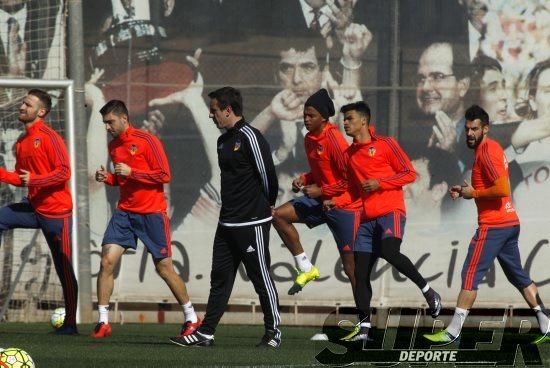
(418, 64)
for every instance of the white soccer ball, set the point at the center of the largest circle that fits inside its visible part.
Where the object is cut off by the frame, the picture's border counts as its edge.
(57, 318)
(15, 358)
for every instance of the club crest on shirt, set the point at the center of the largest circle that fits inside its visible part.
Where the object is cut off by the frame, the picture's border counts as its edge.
(372, 151)
(237, 146)
(320, 149)
(133, 149)
(36, 142)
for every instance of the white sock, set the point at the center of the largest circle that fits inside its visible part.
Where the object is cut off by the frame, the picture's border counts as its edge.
(544, 323)
(205, 335)
(459, 317)
(425, 288)
(103, 313)
(189, 312)
(365, 324)
(304, 264)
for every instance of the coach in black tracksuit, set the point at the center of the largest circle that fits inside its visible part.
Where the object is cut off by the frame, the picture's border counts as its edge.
(249, 189)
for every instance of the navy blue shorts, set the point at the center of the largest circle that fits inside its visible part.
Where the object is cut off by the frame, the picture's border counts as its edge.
(57, 231)
(153, 229)
(391, 225)
(486, 245)
(343, 224)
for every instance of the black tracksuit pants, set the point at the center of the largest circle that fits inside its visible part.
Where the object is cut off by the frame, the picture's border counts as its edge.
(233, 245)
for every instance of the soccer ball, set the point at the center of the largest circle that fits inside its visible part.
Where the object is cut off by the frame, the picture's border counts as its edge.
(15, 358)
(57, 318)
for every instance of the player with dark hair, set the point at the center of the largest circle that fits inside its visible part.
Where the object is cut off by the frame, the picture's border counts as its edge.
(141, 170)
(249, 189)
(325, 147)
(498, 232)
(42, 165)
(377, 170)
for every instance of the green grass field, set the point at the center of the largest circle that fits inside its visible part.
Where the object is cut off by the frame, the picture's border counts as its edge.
(135, 345)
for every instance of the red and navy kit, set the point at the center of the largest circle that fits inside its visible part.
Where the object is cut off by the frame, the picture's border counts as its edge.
(384, 160)
(490, 163)
(142, 206)
(143, 190)
(327, 161)
(498, 232)
(384, 209)
(42, 152)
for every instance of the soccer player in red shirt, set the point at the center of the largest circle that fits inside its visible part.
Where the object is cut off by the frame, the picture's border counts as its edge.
(42, 165)
(141, 170)
(377, 171)
(498, 232)
(325, 147)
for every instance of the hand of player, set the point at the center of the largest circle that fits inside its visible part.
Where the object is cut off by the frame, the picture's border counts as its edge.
(25, 177)
(467, 190)
(101, 174)
(286, 105)
(370, 185)
(312, 191)
(123, 169)
(328, 204)
(455, 191)
(297, 184)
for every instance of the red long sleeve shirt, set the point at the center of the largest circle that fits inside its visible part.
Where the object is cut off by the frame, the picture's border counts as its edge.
(42, 152)
(327, 161)
(384, 160)
(490, 164)
(143, 190)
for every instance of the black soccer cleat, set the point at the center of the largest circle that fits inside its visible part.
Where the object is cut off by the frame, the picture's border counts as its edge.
(434, 302)
(269, 340)
(66, 330)
(195, 339)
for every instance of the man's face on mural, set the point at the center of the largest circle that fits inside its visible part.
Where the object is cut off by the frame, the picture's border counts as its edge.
(438, 89)
(492, 95)
(541, 100)
(299, 72)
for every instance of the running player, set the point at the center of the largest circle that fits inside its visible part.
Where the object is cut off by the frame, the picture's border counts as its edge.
(498, 232)
(141, 170)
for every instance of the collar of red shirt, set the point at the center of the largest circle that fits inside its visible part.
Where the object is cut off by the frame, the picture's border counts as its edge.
(323, 132)
(127, 133)
(36, 126)
(373, 137)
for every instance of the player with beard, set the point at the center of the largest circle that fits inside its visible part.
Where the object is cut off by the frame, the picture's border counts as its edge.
(498, 232)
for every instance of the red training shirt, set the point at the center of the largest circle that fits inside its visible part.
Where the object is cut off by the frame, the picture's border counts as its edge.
(42, 152)
(143, 190)
(327, 161)
(384, 160)
(490, 164)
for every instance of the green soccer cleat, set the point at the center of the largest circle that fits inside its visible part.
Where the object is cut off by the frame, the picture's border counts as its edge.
(303, 278)
(542, 340)
(358, 334)
(440, 336)
(353, 333)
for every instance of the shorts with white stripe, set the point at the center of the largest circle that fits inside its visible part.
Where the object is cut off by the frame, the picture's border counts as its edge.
(233, 245)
